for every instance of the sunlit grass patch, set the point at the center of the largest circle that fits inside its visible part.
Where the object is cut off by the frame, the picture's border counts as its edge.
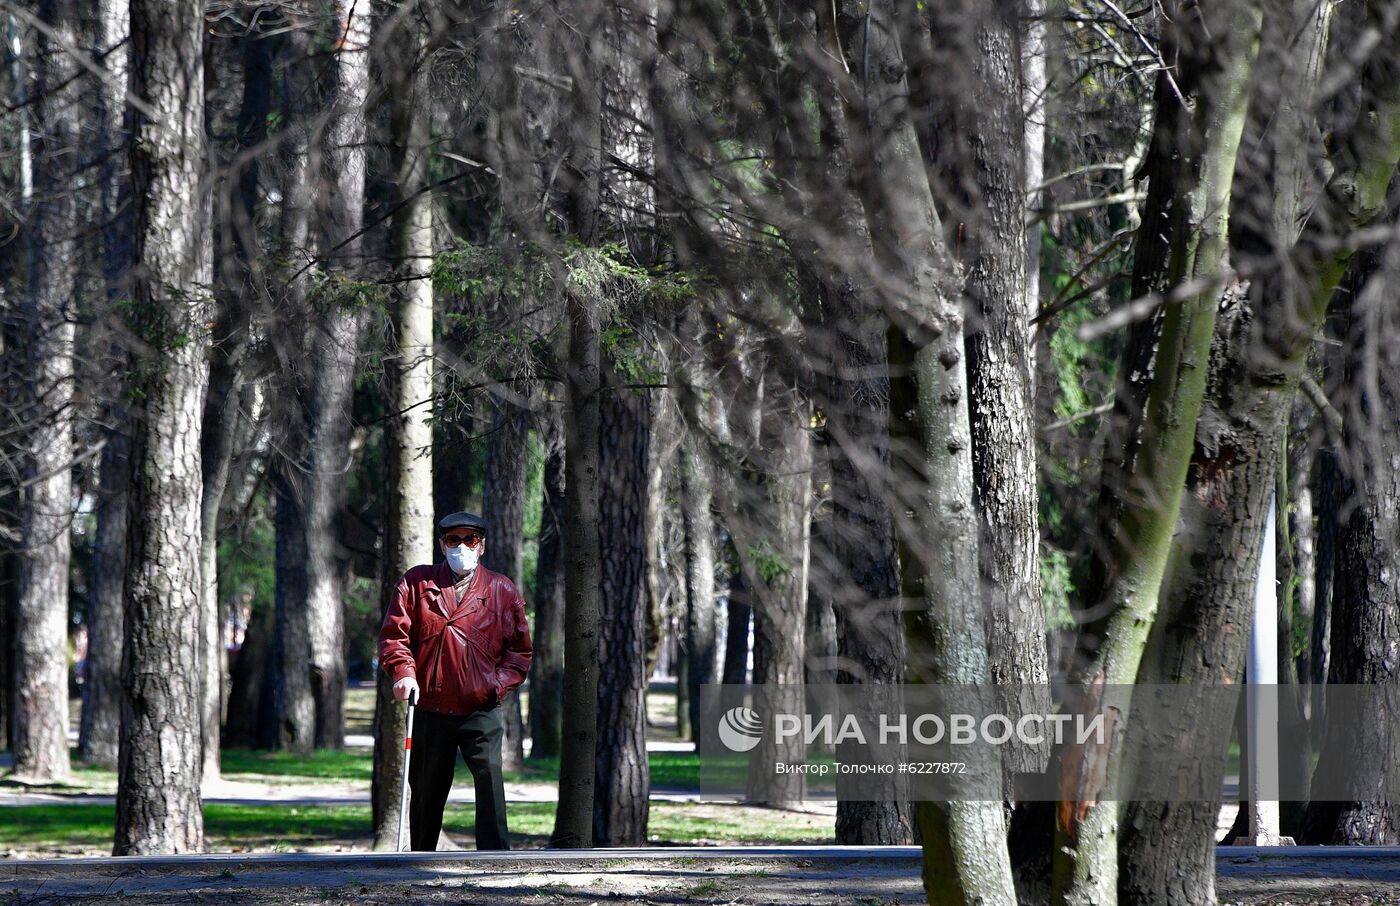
(674, 823)
(238, 828)
(350, 764)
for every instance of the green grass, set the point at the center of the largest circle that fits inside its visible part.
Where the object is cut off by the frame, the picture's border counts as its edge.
(320, 765)
(58, 825)
(669, 770)
(226, 827)
(681, 823)
(240, 827)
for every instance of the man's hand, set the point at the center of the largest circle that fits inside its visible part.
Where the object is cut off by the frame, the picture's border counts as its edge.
(404, 687)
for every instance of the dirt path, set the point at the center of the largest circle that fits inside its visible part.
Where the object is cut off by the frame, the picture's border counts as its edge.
(751, 875)
(734, 876)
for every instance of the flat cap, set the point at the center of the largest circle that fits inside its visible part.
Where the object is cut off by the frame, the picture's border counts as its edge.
(461, 520)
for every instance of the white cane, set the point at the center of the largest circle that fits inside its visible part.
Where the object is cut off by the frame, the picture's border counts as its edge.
(407, 754)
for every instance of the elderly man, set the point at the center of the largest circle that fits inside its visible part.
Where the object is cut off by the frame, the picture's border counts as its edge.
(456, 634)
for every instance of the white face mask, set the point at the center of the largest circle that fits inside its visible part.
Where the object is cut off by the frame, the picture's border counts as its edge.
(461, 558)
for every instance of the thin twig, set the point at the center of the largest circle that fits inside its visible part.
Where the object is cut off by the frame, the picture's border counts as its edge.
(1318, 397)
(1151, 48)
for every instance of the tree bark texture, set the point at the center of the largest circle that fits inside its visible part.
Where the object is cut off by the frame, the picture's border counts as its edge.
(1365, 630)
(623, 773)
(295, 707)
(547, 666)
(573, 827)
(503, 508)
(988, 179)
(656, 529)
(574, 818)
(408, 493)
(160, 766)
(41, 635)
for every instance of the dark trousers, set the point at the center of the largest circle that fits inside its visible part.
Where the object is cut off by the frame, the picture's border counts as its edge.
(436, 741)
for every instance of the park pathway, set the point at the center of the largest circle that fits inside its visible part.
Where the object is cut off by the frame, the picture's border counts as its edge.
(738, 876)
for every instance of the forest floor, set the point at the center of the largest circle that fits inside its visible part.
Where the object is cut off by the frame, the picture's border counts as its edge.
(755, 876)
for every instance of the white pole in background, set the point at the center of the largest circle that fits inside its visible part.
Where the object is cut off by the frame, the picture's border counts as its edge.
(1261, 699)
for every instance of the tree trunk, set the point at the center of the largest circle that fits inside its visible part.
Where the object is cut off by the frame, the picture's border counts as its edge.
(995, 292)
(408, 491)
(965, 852)
(573, 821)
(238, 279)
(1167, 852)
(1364, 638)
(623, 775)
(738, 625)
(547, 667)
(1295, 763)
(513, 154)
(333, 383)
(1303, 454)
(1201, 145)
(503, 508)
(328, 563)
(701, 616)
(41, 634)
(1365, 631)
(781, 613)
(671, 123)
(661, 452)
(7, 651)
(819, 643)
(459, 473)
(856, 563)
(243, 726)
(1328, 494)
(296, 707)
(158, 791)
(100, 730)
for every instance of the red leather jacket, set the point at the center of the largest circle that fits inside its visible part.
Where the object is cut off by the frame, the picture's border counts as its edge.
(465, 655)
